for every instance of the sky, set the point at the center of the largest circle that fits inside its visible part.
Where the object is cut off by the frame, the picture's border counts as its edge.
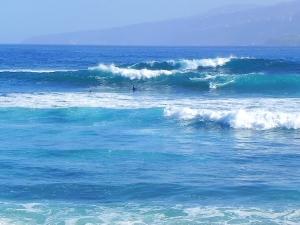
(23, 19)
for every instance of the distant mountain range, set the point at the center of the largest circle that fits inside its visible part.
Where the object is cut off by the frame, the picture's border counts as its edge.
(277, 25)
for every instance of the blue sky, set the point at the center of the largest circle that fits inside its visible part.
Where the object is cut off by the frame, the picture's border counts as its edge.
(22, 19)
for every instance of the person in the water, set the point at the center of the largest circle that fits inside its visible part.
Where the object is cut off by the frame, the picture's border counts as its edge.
(133, 88)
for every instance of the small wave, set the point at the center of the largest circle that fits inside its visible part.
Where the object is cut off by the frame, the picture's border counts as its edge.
(132, 73)
(64, 213)
(194, 64)
(35, 70)
(239, 119)
(251, 82)
(216, 81)
(185, 64)
(215, 86)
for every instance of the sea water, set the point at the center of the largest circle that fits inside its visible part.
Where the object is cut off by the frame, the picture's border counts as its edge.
(209, 136)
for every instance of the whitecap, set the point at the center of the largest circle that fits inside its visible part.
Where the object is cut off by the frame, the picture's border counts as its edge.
(132, 73)
(194, 64)
(248, 113)
(258, 119)
(146, 73)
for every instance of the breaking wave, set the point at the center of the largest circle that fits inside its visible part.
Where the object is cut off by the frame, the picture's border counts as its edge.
(132, 73)
(227, 74)
(155, 69)
(258, 119)
(252, 113)
(194, 64)
(231, 64)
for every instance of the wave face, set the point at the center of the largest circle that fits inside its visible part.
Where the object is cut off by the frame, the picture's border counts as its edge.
(230, 74)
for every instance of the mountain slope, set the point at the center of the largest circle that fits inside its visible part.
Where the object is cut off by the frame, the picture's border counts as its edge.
(271, 25)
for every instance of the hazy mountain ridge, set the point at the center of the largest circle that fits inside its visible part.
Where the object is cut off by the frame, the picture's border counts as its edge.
(269, 25)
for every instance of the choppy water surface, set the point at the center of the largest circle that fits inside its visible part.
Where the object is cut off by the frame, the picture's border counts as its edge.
(210, 136)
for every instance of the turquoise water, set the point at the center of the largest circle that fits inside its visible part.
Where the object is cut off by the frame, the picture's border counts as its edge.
(210, 136)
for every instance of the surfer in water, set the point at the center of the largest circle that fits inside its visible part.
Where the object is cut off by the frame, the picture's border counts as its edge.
(133, 88)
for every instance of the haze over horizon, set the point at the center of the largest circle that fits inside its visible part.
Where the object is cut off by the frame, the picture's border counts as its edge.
(24, 20)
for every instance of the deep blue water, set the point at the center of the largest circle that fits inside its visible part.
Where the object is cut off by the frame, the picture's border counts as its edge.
(210, 136)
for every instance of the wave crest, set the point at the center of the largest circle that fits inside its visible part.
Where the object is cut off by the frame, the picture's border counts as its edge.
(132, 73)
(238, 119)
(194, 64)
(155, 69)
(229, 74)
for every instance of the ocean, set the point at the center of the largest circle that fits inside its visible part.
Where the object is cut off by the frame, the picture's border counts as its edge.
(207, 136)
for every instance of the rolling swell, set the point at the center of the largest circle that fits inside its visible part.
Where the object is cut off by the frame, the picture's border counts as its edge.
(223, 74)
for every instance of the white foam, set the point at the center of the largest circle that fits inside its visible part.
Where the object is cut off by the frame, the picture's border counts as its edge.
(91, 100)
(216, 85)
(58, 213)
(194, 64)
(246, 113)
(6, 222)
(244, 215)
(30, 207)
(216, 81)
(129, 100)
(129, 72)
(258, 119)
(144, 73)
(132, 73)
(67, 100)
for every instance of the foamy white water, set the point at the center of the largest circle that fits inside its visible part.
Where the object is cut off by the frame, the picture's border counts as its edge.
(131, 100)
(141, 214)
(145, 73)
(194, 64)
(132, 73)
(258, 119)
(246, 113)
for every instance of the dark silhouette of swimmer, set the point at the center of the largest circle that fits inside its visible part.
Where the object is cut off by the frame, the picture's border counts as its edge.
(133, 88)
